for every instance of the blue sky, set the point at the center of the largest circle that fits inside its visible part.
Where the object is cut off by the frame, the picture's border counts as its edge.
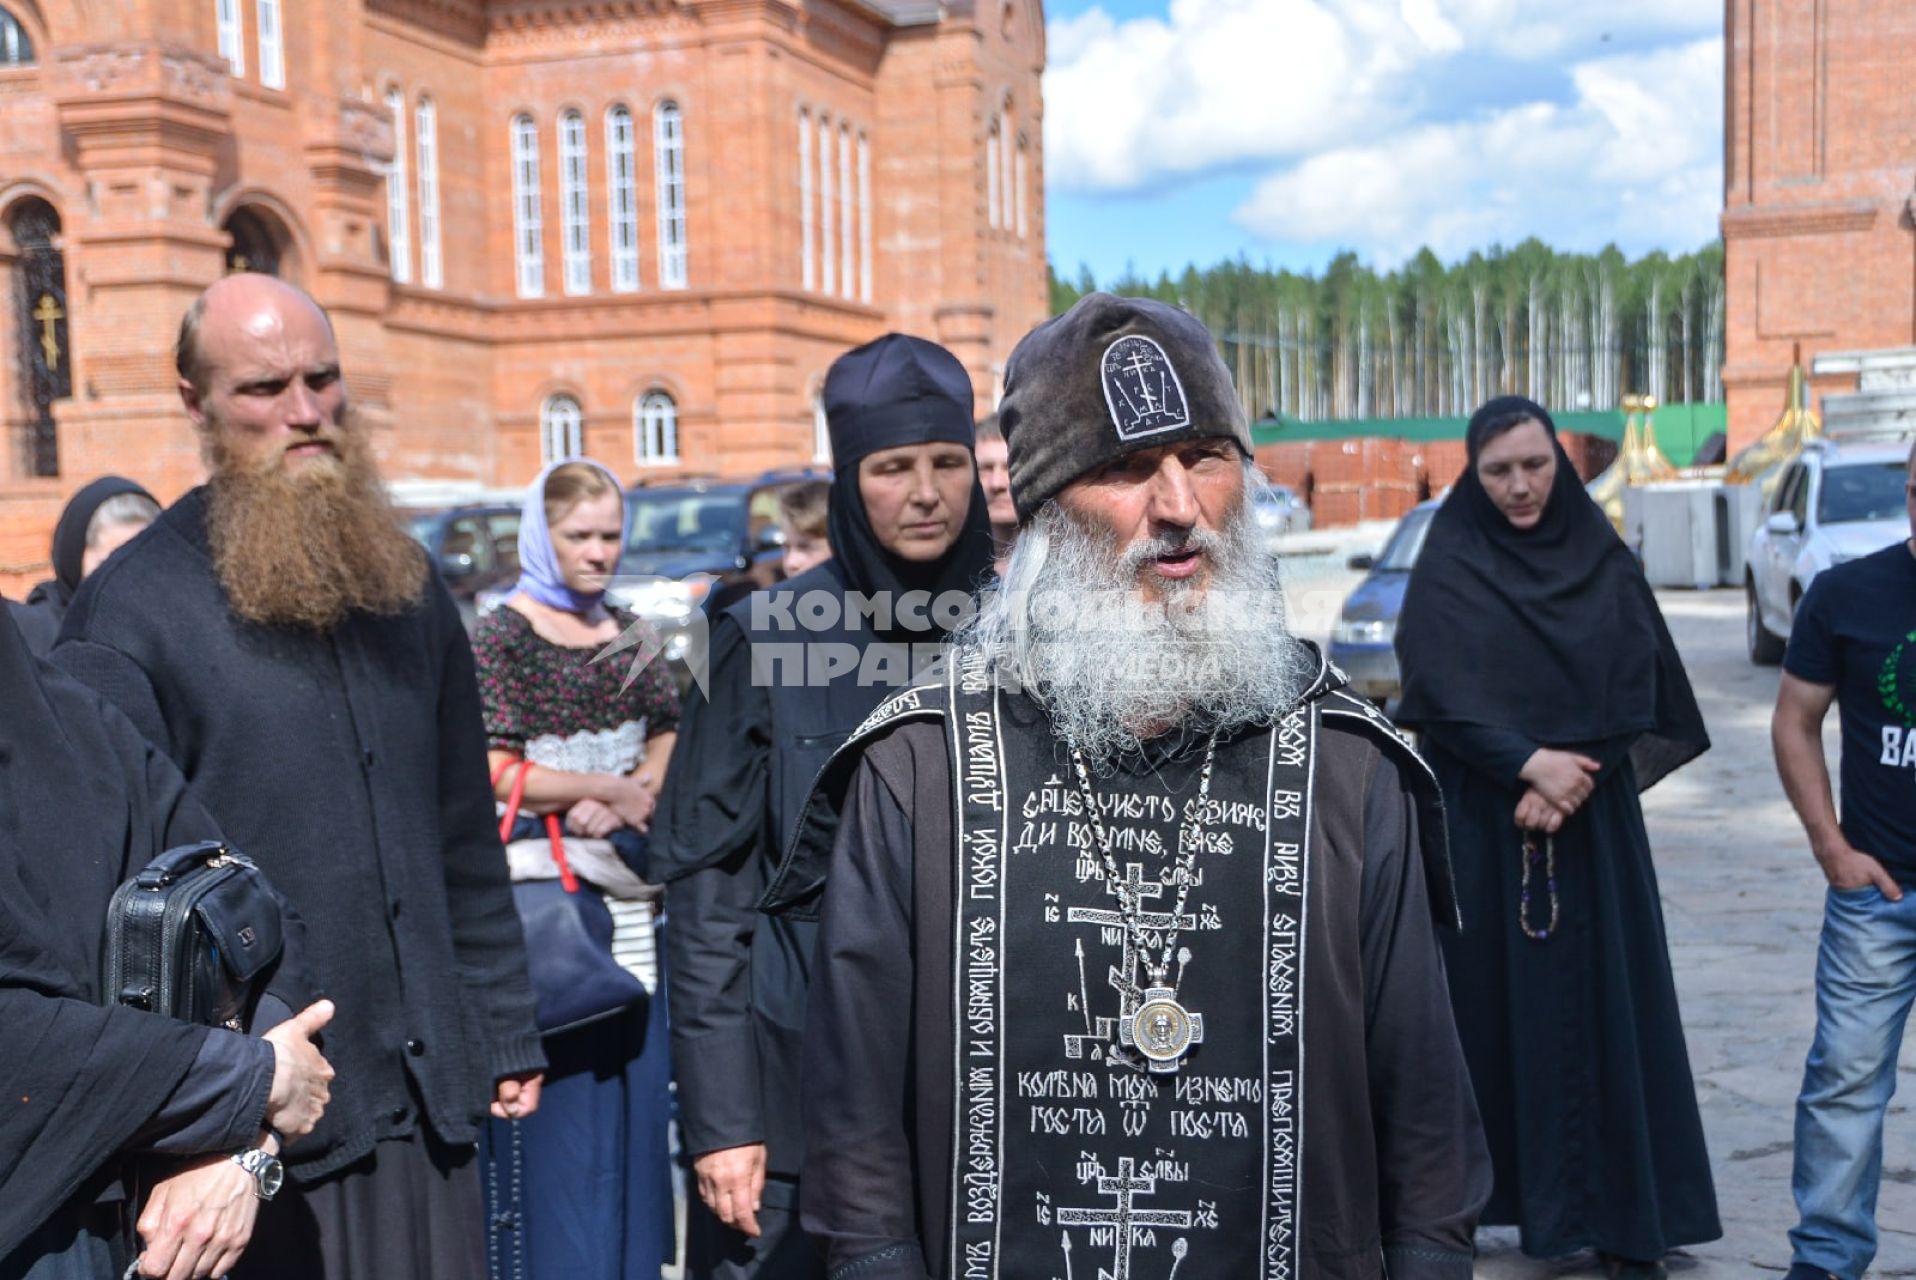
(1284, 130)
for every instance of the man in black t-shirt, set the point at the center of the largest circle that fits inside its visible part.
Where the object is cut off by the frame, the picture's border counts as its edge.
(1853, 642)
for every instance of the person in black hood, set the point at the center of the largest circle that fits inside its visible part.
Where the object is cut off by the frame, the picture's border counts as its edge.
(98, 520)
(1549, 694)
(85, 802)
(793, 670)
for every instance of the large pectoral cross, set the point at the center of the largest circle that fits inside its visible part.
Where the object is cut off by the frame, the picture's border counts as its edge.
(49, 314)
(1126, 1217)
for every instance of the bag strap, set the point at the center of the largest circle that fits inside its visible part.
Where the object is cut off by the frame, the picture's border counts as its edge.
(568, 881)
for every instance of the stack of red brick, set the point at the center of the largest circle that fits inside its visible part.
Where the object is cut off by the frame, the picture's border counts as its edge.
(1380, 478)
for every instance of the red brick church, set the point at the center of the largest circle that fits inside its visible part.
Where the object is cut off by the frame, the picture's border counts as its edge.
(641, 228)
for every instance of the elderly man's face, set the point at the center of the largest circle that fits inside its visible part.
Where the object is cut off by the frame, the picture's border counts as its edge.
(1163, 494)
(273, 392)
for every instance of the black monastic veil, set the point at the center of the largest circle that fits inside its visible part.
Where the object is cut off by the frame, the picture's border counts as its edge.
(1550, 631)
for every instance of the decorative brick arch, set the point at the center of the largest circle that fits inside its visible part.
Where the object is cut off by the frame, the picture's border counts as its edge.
(288, 231)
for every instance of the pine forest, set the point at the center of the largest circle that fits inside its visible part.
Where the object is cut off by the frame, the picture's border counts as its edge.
(1571, 331)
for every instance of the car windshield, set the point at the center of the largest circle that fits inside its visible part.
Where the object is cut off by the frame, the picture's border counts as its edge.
(686, 521)
(1400, 553)
(1861, 491)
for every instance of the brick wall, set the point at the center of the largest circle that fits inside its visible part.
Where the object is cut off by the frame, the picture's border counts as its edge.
(1819, 145)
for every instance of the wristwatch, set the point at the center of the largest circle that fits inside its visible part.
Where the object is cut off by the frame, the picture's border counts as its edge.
(268, 1173)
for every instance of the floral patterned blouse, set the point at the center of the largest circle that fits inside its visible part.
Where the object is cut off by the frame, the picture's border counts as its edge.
(557, 708)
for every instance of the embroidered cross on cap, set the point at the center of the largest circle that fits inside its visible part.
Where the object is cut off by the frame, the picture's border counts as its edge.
(1141, 388)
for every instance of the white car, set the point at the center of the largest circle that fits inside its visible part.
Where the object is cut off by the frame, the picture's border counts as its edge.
(1835, 502)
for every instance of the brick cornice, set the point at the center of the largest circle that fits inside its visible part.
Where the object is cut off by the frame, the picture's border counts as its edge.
(141, 96)
(1752, 222)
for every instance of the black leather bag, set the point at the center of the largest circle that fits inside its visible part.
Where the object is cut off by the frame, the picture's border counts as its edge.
(194, 936)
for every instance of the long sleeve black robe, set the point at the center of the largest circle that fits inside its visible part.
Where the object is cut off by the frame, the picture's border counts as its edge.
(85, 802)
(1575, 1044)
(1395, 1168)
(351, 765)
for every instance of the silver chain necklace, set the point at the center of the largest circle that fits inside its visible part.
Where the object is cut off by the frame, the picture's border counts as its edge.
(1160, 1028)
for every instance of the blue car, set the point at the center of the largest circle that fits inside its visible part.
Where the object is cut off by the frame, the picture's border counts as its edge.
(1362, 643)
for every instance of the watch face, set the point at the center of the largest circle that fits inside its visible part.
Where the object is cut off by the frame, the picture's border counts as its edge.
(271, 1174)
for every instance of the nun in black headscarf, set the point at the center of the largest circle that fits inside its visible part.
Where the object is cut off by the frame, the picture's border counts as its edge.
(97, 519)
(1540, 673)
(793, 671)
(85, 802)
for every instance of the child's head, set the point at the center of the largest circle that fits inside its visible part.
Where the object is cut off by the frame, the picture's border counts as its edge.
(801, 514)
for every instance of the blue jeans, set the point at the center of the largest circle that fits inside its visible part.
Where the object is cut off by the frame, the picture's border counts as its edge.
(1865, 982)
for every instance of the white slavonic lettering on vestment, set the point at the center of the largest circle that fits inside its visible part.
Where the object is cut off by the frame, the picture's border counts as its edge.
(1099, 923)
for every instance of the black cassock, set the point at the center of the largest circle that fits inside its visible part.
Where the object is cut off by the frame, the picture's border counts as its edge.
(1513, 640)
(1385, 1172)
(84, 803)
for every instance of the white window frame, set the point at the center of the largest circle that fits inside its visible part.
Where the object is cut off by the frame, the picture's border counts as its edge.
(807, 253)
(272, 44)
(561, 429)
(847, 213)
(992, 145)
(432, 264)
(821, 429)
(655, 430)
(232, 34)
(622, 197)
(668, 151)
(1008, 157)
(864, 219)
(1024, 164)
(528, 232)
(827, 273)
(575, 213)
(398, 207)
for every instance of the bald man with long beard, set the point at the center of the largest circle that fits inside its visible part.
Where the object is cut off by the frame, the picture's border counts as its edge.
(278, 634)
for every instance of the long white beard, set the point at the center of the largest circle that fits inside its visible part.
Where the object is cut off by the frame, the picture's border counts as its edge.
(1068, 625)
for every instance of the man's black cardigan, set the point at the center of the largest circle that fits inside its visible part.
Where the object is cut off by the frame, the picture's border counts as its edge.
(352, 765)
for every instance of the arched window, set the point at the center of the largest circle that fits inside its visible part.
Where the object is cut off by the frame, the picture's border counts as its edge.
(668, 150)
(622, 198)
(992, 146)
(398, 214)
(272, 48)
(16, 50)
(864, 219)
(808, 259)
(847, 211)
(655, 429)
(226, 16)
(40, 325)
(575, 219)
(528, 250)
(827, 262)
(561, 429)
(432, 272)
(257, 244)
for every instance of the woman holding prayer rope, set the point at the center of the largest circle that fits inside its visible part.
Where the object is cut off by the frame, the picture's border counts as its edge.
(1540, 673)
(590, 1172)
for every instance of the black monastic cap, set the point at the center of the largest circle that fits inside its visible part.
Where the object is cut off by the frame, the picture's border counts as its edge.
(1109, 377)
(896, 390)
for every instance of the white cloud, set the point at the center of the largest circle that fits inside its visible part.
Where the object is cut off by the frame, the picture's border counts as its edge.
(1635, 159)
(1348, 97)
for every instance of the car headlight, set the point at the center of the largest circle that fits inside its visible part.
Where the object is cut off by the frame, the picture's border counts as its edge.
(1364, 631)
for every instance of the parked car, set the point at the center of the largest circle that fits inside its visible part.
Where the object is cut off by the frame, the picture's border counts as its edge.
(700, 545)
(1363, 641)
(475, 548)
(1279, 511)
(1835, 502)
